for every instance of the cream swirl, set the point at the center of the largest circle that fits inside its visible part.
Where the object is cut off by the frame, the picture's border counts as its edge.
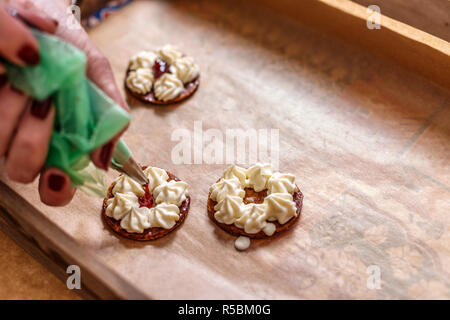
(125, 207)
(258, 175)
(125, 184)
(140, 81)
(186, 69)
(224, 187)
(280, 206)
(164, 215)
(143, 59)
(236, 172)
(170, 53)
(229, 209)
(120, 205)
(168, 87)
(172, 192)
(281, 183)
(253, 219)
(156, 176)
(136, 220)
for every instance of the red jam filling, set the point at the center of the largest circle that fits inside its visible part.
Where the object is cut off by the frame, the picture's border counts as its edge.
(159, 68)
(146, 200)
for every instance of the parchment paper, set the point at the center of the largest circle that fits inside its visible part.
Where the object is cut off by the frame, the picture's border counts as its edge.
(368, 142)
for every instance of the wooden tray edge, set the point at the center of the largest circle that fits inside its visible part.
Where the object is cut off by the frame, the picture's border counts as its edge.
(56, 250)
(412, 48)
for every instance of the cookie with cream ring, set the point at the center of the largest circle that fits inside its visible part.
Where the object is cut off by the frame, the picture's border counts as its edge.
(146, 212)
(256, 202)
(162, 77)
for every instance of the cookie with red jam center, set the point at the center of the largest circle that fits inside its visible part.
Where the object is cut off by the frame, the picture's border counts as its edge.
(159, 67)
(148, 201)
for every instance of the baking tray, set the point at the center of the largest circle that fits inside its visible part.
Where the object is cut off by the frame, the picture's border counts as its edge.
(363, 121)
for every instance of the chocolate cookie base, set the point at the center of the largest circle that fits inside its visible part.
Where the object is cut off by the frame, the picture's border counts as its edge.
(150, 233)
(251, 196)
(188, 90)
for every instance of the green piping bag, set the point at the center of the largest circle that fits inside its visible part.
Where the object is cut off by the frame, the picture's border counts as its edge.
(85, 117)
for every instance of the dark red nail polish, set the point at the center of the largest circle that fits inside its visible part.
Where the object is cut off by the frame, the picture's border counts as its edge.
(56, 182)
(55, 22)
(40, 109)
(3, 80)
(106, 155)
(29, 55)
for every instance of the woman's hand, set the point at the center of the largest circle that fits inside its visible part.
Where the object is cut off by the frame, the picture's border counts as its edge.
(26, 126)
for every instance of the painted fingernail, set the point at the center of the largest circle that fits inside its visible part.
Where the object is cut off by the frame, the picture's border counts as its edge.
(55, 22)
(106, 155)
(56, 182)
(40, 109)
(3, 80)
(29, 55)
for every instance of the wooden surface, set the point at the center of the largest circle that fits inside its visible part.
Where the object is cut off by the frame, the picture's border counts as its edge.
(432, 16)
(52, 247)
(367, 140)
(23, 277)
(407, 46)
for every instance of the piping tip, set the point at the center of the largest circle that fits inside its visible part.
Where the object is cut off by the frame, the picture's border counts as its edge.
(133, 170)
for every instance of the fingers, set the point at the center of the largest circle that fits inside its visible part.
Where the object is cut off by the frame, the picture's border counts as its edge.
(25, 127)
(35, 20)
(17, 44)
(29, 147)
(55, 188)
(102, 156)
(100, 72)
(28, 151)
(12, 105)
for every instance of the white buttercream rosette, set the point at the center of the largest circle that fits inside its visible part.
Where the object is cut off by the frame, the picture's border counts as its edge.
(168, 196)
(278, 205)
(182, 71)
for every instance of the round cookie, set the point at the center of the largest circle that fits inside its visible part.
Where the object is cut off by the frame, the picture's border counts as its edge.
(252, 196)
(189, 89)
(148, 201)
(176, 75)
